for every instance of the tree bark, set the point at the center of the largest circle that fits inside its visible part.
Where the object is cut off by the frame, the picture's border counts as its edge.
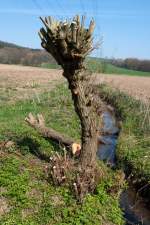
(70, 43)
(83, 102)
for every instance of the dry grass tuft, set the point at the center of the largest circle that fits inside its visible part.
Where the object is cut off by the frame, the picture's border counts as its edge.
(64, 170)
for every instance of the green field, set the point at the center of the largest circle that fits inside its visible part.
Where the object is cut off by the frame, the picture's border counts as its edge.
(50, 66)
(111, 69)
(26, 195)
(102, 66)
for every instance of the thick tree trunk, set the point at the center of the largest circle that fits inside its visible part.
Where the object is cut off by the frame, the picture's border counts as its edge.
(70, 43)
(83, 102)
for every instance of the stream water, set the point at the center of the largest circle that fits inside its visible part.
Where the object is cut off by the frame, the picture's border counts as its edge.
(135, 211)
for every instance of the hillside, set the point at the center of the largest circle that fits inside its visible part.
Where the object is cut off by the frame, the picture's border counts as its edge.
(14, 54)
(6, 44)
(97, 65)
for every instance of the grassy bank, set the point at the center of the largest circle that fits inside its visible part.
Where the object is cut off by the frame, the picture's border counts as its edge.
(26, 196)
(133, 150)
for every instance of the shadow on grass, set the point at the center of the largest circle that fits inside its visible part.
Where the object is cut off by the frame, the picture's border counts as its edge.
(29, 145)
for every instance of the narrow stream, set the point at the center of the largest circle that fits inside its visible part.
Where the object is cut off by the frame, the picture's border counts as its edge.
(135, 211)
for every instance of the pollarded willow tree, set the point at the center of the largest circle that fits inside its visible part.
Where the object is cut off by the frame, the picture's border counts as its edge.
(69, 43)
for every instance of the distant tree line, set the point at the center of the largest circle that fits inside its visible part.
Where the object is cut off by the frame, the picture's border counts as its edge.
(132, 63)
(6, 44)
(13, 54)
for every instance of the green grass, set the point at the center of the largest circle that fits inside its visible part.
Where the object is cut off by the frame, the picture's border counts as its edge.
(102, 66)
(34, 201)
(111, 69)
(50, 66)
(29, 198)
(133, 150)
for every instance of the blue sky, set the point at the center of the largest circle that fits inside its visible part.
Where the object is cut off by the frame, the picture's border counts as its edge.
(124, 25)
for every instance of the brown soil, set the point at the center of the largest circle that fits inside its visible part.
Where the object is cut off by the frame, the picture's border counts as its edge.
(4, 207)
(138, 87)
(18, 82)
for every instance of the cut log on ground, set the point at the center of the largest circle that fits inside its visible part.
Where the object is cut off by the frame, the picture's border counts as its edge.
(38, 124)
